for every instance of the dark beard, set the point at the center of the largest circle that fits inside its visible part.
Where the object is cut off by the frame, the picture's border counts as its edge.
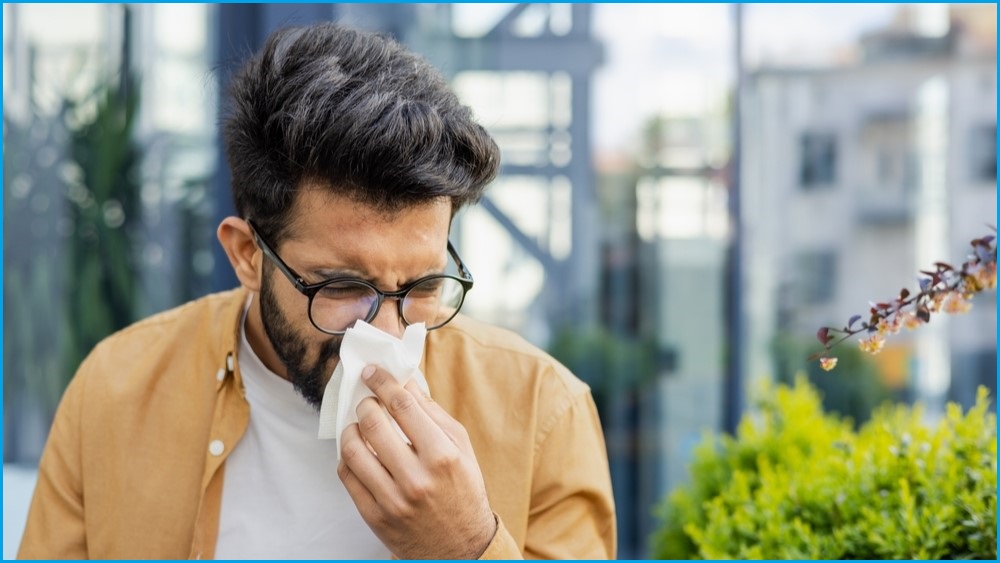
(308, 379)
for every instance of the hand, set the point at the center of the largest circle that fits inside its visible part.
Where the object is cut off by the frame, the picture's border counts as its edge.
(426, 500)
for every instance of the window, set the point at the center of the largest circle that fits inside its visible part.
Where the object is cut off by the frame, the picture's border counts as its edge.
(969, 370)
(818, 160)
(886, 135)
(983, 153)
(816, 275)
(884, 166)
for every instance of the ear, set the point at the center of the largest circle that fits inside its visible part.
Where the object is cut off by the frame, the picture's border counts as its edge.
(238, 242)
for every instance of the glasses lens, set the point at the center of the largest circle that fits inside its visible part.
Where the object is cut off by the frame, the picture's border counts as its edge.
(434, 301)
(337, 306)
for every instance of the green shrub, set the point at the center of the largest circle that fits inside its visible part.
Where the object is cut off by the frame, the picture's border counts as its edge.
(796, 483)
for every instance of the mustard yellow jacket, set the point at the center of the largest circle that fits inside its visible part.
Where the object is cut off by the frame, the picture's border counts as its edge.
(127, 471)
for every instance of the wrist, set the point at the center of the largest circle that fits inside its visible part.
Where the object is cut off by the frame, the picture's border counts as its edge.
(489, 536)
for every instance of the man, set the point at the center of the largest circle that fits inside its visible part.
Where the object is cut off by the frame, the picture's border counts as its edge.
(193, 433)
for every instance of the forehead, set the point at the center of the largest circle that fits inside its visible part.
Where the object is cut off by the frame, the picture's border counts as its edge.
(319, 208)
(331, 231)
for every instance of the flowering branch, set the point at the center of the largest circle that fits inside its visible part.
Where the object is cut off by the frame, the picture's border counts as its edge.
(943, 289)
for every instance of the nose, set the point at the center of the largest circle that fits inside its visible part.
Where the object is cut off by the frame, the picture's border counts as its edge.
(388, 319)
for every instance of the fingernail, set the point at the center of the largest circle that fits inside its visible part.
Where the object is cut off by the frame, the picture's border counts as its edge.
(367, 372)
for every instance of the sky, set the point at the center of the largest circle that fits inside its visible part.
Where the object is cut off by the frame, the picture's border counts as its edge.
(685, 54)
(682, 55)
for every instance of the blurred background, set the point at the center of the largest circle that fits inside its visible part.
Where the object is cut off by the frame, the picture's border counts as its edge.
(688, 192)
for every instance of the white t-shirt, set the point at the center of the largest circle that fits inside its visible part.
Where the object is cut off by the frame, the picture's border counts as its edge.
(281, 496)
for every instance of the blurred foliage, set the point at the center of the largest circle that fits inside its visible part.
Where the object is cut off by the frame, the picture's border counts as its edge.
(796, 483)
(33, 273)
(854, 391)
(105, 212)
(72, 212)
(609, 363)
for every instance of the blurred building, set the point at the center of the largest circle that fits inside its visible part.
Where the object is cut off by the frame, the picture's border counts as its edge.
(665, 232)
(857, 177)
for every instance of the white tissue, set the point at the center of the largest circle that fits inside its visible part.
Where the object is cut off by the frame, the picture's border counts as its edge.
(365, 345)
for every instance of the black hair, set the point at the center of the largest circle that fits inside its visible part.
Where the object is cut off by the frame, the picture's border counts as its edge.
(354, 112)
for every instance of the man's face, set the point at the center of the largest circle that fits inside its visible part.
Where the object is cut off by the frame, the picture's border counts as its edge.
(308, 369)
(332, 236)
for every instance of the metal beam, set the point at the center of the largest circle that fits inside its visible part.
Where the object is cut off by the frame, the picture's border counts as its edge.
(506, 24)
(579, 56)
(733, 380)
(548, 262)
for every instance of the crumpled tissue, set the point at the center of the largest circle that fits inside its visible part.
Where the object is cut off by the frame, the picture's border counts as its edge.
(365, 345)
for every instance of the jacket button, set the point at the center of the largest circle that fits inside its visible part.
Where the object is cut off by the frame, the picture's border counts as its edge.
(216, 447)
(221, 374)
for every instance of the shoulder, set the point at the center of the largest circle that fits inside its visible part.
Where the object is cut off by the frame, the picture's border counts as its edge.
(213, 308)
(474, 363)
(185, 338)
(465, 336)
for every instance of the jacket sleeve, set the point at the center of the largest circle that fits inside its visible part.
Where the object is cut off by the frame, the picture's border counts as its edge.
(572, 508)
(572, 512)
(503, 546)
(55, 525)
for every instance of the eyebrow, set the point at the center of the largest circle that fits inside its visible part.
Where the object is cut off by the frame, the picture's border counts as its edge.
(324, 274)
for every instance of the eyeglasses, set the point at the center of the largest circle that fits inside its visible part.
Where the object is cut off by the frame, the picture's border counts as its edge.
(336, 304)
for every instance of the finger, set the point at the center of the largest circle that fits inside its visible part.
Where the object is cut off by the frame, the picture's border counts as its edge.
(362, 497)
(404, 409)
(441, 417)
(364, 465)
(376, 428)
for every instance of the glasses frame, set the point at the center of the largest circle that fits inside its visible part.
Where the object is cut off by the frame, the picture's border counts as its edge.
(310, 290)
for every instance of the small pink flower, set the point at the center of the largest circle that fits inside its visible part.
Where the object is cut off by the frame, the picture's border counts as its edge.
(827, 363)
(882, 327)
(988, 275)
(909, 320)
(956, 303)
(872, 345)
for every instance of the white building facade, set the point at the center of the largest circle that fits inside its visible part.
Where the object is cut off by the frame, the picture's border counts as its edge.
(857, 177)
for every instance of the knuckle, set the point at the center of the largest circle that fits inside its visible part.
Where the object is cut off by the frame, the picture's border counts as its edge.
(351, 452)
(459, 432)
(400, 510)
(401, 403)
(419, 392)
(445, 463)
(370, 423)
(417, 492)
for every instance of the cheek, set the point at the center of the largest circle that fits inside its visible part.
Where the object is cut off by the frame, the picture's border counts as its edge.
(285, 313)
(295, 310)
(293, 305)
